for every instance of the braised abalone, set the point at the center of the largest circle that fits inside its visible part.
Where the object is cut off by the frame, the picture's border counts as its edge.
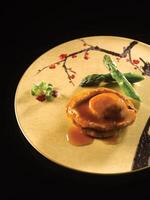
(99, 112)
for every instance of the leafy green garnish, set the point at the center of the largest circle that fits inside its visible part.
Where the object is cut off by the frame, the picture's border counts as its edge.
(43, 89)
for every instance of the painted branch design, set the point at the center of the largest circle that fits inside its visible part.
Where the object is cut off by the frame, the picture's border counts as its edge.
(71, 73)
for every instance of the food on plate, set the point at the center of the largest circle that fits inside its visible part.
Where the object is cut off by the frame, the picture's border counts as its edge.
(77, 137)
(96, 79)
(124, 84)
(101, 111)
(44, 91)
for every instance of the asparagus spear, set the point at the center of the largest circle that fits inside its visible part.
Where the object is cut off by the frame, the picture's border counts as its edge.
(96, 79)
(124, 84)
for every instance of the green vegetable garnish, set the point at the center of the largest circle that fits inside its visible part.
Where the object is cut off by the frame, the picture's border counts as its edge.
(124, 84)
(44, 90)
(96, 79)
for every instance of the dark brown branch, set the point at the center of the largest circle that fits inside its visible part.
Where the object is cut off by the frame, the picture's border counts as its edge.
(126, 51)
(66, 70)
(145, 68)
(96, 48)
(48, 66)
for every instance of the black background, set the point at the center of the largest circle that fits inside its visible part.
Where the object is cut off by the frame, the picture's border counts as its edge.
(27, 31)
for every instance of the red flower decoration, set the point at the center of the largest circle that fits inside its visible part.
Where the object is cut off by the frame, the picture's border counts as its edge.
(72, 76)
(135, 61)
(52, 66)
(86, 55)
(62, 56)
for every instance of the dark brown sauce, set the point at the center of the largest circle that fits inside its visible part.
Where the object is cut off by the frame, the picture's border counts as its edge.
(76, 136)
(85, 111)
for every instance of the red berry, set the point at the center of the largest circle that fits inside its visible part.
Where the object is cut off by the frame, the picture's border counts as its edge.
(41, 97)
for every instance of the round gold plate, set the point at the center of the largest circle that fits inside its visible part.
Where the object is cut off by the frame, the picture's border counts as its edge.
(45, 124)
